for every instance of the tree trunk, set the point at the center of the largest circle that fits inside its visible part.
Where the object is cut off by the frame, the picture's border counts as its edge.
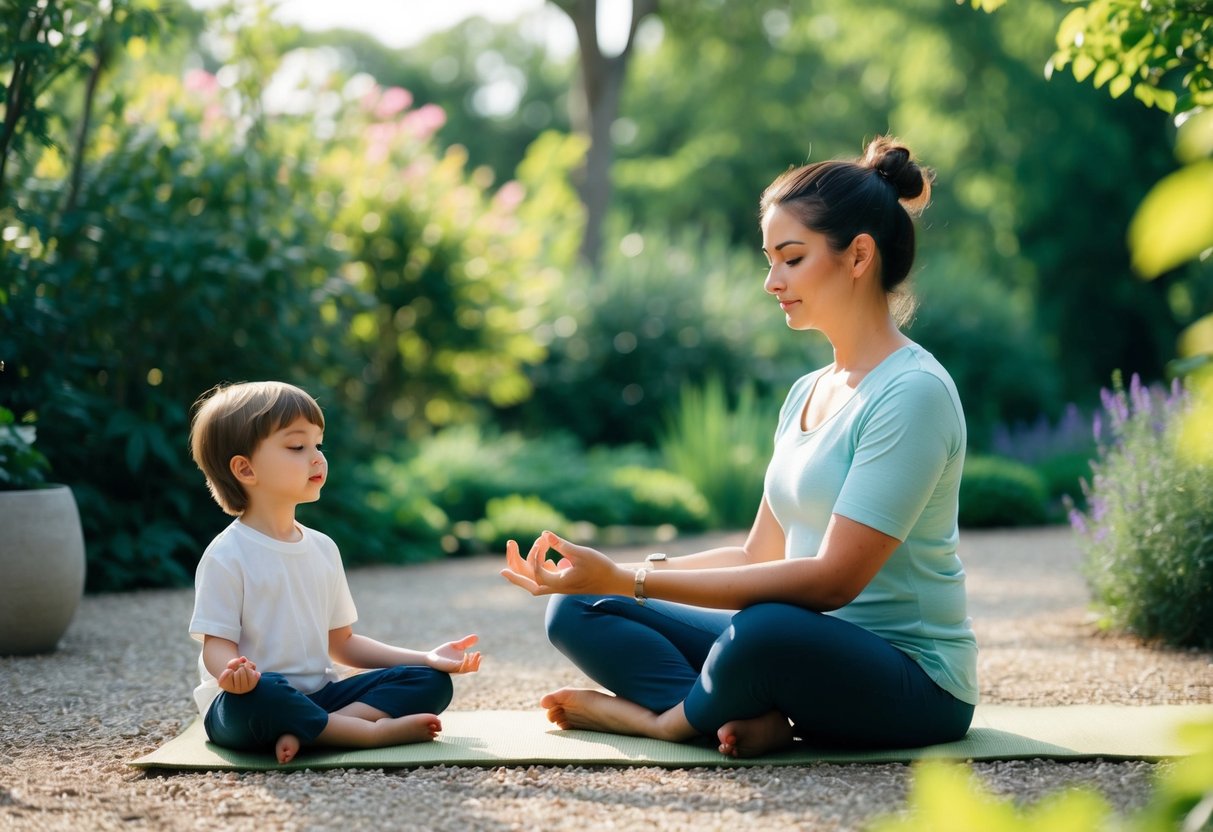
(602, 78)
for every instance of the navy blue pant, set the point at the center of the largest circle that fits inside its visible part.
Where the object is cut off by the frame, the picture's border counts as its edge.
(255, 720)
(839, 684)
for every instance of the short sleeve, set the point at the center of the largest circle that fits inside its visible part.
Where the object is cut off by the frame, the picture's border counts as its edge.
(904, 442)
(342, 612)
(218, 600)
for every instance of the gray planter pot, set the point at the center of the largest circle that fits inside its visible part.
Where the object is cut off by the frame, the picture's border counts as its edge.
(41, 568)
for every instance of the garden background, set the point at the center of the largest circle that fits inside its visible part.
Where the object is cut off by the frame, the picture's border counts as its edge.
(527, 287)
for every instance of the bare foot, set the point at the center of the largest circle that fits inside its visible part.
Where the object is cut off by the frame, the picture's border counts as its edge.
(408, 729)
(286, 748)
(592, 710)
(755, 737)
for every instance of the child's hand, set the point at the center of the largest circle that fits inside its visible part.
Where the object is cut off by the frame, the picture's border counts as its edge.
(451, 658)
(240, 676)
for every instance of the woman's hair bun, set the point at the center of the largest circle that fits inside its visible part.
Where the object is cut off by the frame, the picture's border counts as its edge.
(893, 162)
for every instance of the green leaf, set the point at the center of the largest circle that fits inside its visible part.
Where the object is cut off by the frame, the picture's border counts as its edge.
(136, 449)
(1084, 65)
(1195, 139)
(1120, 84)
(1108, 70)
(1174, 223)
(1145, 93)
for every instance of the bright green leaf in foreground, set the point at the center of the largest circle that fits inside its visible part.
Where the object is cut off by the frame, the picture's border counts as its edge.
(1174, 223)
(1196, 433)
(946, 797)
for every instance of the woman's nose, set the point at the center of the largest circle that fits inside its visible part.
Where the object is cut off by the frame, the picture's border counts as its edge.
(772, 284)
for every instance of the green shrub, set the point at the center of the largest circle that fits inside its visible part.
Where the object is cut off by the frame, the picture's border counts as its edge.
(1063, 476)
(1147, 531)
(663, 312)
(443, 488)
(984, 335)
(522, 518)
(722, 451)
(660, 497)
(1001, 492)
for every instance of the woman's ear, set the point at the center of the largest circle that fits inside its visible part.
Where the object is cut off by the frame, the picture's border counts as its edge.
(242, 469)
(863, 254)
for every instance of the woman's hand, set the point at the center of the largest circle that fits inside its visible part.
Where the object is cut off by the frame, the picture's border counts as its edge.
(240, 676)
(451, 658)
(580, 571)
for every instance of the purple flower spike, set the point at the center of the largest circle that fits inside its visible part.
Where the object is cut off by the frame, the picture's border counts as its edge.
(1077, 521)
(1139, 395)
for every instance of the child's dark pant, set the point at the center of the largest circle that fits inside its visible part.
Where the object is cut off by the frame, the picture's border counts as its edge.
(255, 720)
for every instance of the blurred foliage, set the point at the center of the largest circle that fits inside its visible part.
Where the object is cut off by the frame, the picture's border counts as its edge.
(191, 199)
(188, 257)
(450, 482)
(1147, 531)
(665, 311)
(721, 446)
(985, 337)
(1162, 51)
(22, 466)
(947, 797)
(520, 519)
(1000, 492)
(497, 85)
(1015, 153)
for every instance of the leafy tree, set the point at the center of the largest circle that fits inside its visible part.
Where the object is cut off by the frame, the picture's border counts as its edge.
(1163, 52)
(498, 87)
(1013, 151)
(218, 237)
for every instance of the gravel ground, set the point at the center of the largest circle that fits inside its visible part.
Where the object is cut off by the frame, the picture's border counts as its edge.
(120, 685)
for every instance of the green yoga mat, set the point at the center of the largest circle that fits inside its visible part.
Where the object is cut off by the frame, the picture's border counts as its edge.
(521, 738)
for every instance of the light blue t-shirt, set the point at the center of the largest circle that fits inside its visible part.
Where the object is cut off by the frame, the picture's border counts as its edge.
(890, 458)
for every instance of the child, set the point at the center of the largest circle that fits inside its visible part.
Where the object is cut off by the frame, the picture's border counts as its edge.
(272, 606)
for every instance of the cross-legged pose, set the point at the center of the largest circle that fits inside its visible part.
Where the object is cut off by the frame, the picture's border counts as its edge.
(842, 619)
(272, 607)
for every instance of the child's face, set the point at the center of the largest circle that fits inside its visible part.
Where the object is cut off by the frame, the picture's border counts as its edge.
(289, 465)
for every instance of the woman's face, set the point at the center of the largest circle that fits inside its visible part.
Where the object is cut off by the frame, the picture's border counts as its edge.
(806, 275)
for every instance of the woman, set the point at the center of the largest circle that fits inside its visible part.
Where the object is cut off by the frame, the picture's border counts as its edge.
(842, 620)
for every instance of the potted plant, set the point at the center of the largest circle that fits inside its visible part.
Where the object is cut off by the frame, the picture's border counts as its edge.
(41, 546)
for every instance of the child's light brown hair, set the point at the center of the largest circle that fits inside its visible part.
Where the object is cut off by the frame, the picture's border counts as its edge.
(232, 420)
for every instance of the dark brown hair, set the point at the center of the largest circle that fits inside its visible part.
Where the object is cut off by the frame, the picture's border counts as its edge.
(232, 420)
(875, 194)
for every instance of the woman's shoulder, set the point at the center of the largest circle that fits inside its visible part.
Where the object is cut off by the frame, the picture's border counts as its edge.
(913, 369)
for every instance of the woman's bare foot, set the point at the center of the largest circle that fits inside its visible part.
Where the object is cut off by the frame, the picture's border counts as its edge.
(755, 737)
(286, 748)
(592, 710)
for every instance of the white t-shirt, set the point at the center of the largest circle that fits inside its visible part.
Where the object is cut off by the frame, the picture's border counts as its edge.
(277, 601)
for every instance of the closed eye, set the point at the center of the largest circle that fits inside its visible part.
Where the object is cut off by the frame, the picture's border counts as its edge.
(792, 261)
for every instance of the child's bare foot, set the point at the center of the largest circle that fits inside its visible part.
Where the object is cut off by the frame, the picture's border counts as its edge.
(286, 748)
(408, 729)
(755, 737)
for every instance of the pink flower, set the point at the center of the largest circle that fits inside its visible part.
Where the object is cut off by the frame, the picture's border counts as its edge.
(510, 195)
(199, 80)
(424, 121)
(394, 100)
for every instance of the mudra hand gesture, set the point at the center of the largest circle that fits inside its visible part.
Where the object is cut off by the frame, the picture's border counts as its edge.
(580, 570)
